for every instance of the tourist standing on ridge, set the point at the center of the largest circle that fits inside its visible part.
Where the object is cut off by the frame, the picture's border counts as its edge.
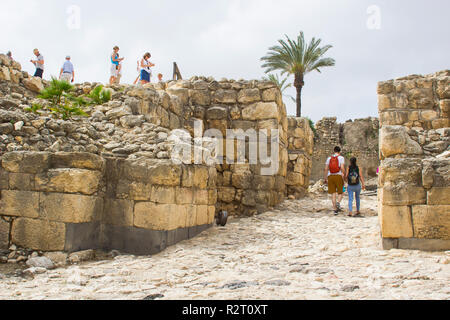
(160, 77)
(334, 177)
(146, 72)
(115, 65)
(39, 63)
(355, 181)
(9, 55)
(67, 72)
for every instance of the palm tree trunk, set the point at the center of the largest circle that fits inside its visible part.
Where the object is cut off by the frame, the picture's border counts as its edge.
(298, 84)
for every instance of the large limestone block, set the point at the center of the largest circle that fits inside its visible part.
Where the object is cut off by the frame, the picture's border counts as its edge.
(156, 172)
(394, 117)
(443, 88)
(439, 196)
(396, 222)
(38, 234)
(261, 111)
(295, 179)
(26, 162)
(386, 102)
(272, 94)
(5, 74)
(395, 171)
(69, 181)
(247, 96)
(137, 190)
(201, 197)
(201, 177)
(118, 212)
(153, 216)
(33, 84)
(70, 208)
(226, 194)
(200, 97)
(202, 215)
(184, 195)
(15, 75)
(163, 195)
(225, 96)
(19, 203)
(181, 93)
(4, 234)
(385, 87)
(395, 140)
(191, 216)
(217, 113)
(431, 222)
(402, 194)
(21, 181)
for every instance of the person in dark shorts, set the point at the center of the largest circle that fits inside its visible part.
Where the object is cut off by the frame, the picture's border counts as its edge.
(334, 177)
(146, 71)
(38, 63)
(355, 181)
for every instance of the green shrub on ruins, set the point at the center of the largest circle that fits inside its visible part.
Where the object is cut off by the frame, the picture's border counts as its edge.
(62, 102)
(99, 95)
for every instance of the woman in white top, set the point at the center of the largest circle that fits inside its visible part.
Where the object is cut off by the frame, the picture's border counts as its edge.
(145, 68)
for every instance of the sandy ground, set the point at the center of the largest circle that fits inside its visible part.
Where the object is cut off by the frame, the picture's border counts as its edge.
(296, 251)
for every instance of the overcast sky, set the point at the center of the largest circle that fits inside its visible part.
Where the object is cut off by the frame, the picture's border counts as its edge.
(227, 38)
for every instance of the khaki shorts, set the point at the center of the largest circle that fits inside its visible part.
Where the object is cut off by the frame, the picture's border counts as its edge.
(66, 77)
(335, 184)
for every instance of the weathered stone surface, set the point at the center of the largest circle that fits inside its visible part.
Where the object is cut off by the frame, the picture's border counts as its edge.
(40, 262)
(396, 222)
(403, 194)
(26, 162)
(395, 140)
(225, 96)
(19, 203)
(33, 84)
(439, 196)
(38, 234)
(70, 208)
(69, 181)
(261, 111)
(431, 222)
(118, 212)
(246, 96)
(149, 215)
(217, 113)
(4, 234)
(163, 195)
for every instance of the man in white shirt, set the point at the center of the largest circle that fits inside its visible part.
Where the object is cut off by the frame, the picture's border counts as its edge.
(334, 177)
(67, 72)
(39, 63)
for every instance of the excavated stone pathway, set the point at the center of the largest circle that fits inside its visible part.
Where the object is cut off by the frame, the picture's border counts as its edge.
(296, 251)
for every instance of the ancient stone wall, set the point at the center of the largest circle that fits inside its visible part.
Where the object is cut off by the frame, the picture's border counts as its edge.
(246, 108)
(357, 138)
(300, 149)
(100, 170)
(74, 201)
(414, 184)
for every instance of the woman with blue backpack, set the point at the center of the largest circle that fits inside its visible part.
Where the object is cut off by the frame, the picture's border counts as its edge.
(355, 182)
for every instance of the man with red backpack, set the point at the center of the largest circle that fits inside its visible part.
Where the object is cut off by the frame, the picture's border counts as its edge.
(334, 177)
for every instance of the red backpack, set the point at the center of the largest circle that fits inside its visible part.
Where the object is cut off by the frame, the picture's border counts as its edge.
(334, 164)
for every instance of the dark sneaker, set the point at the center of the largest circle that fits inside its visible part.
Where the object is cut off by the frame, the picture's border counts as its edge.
(336, 212)
(338, 205)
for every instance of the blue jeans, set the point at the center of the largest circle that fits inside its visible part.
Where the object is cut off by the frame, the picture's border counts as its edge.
(357, 190)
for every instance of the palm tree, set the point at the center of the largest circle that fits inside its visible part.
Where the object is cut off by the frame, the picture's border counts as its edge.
(297, 58)
(281, 84)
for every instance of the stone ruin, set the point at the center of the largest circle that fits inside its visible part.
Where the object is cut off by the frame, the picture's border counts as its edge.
(358, 138)
(108, 181)
(414, 180)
